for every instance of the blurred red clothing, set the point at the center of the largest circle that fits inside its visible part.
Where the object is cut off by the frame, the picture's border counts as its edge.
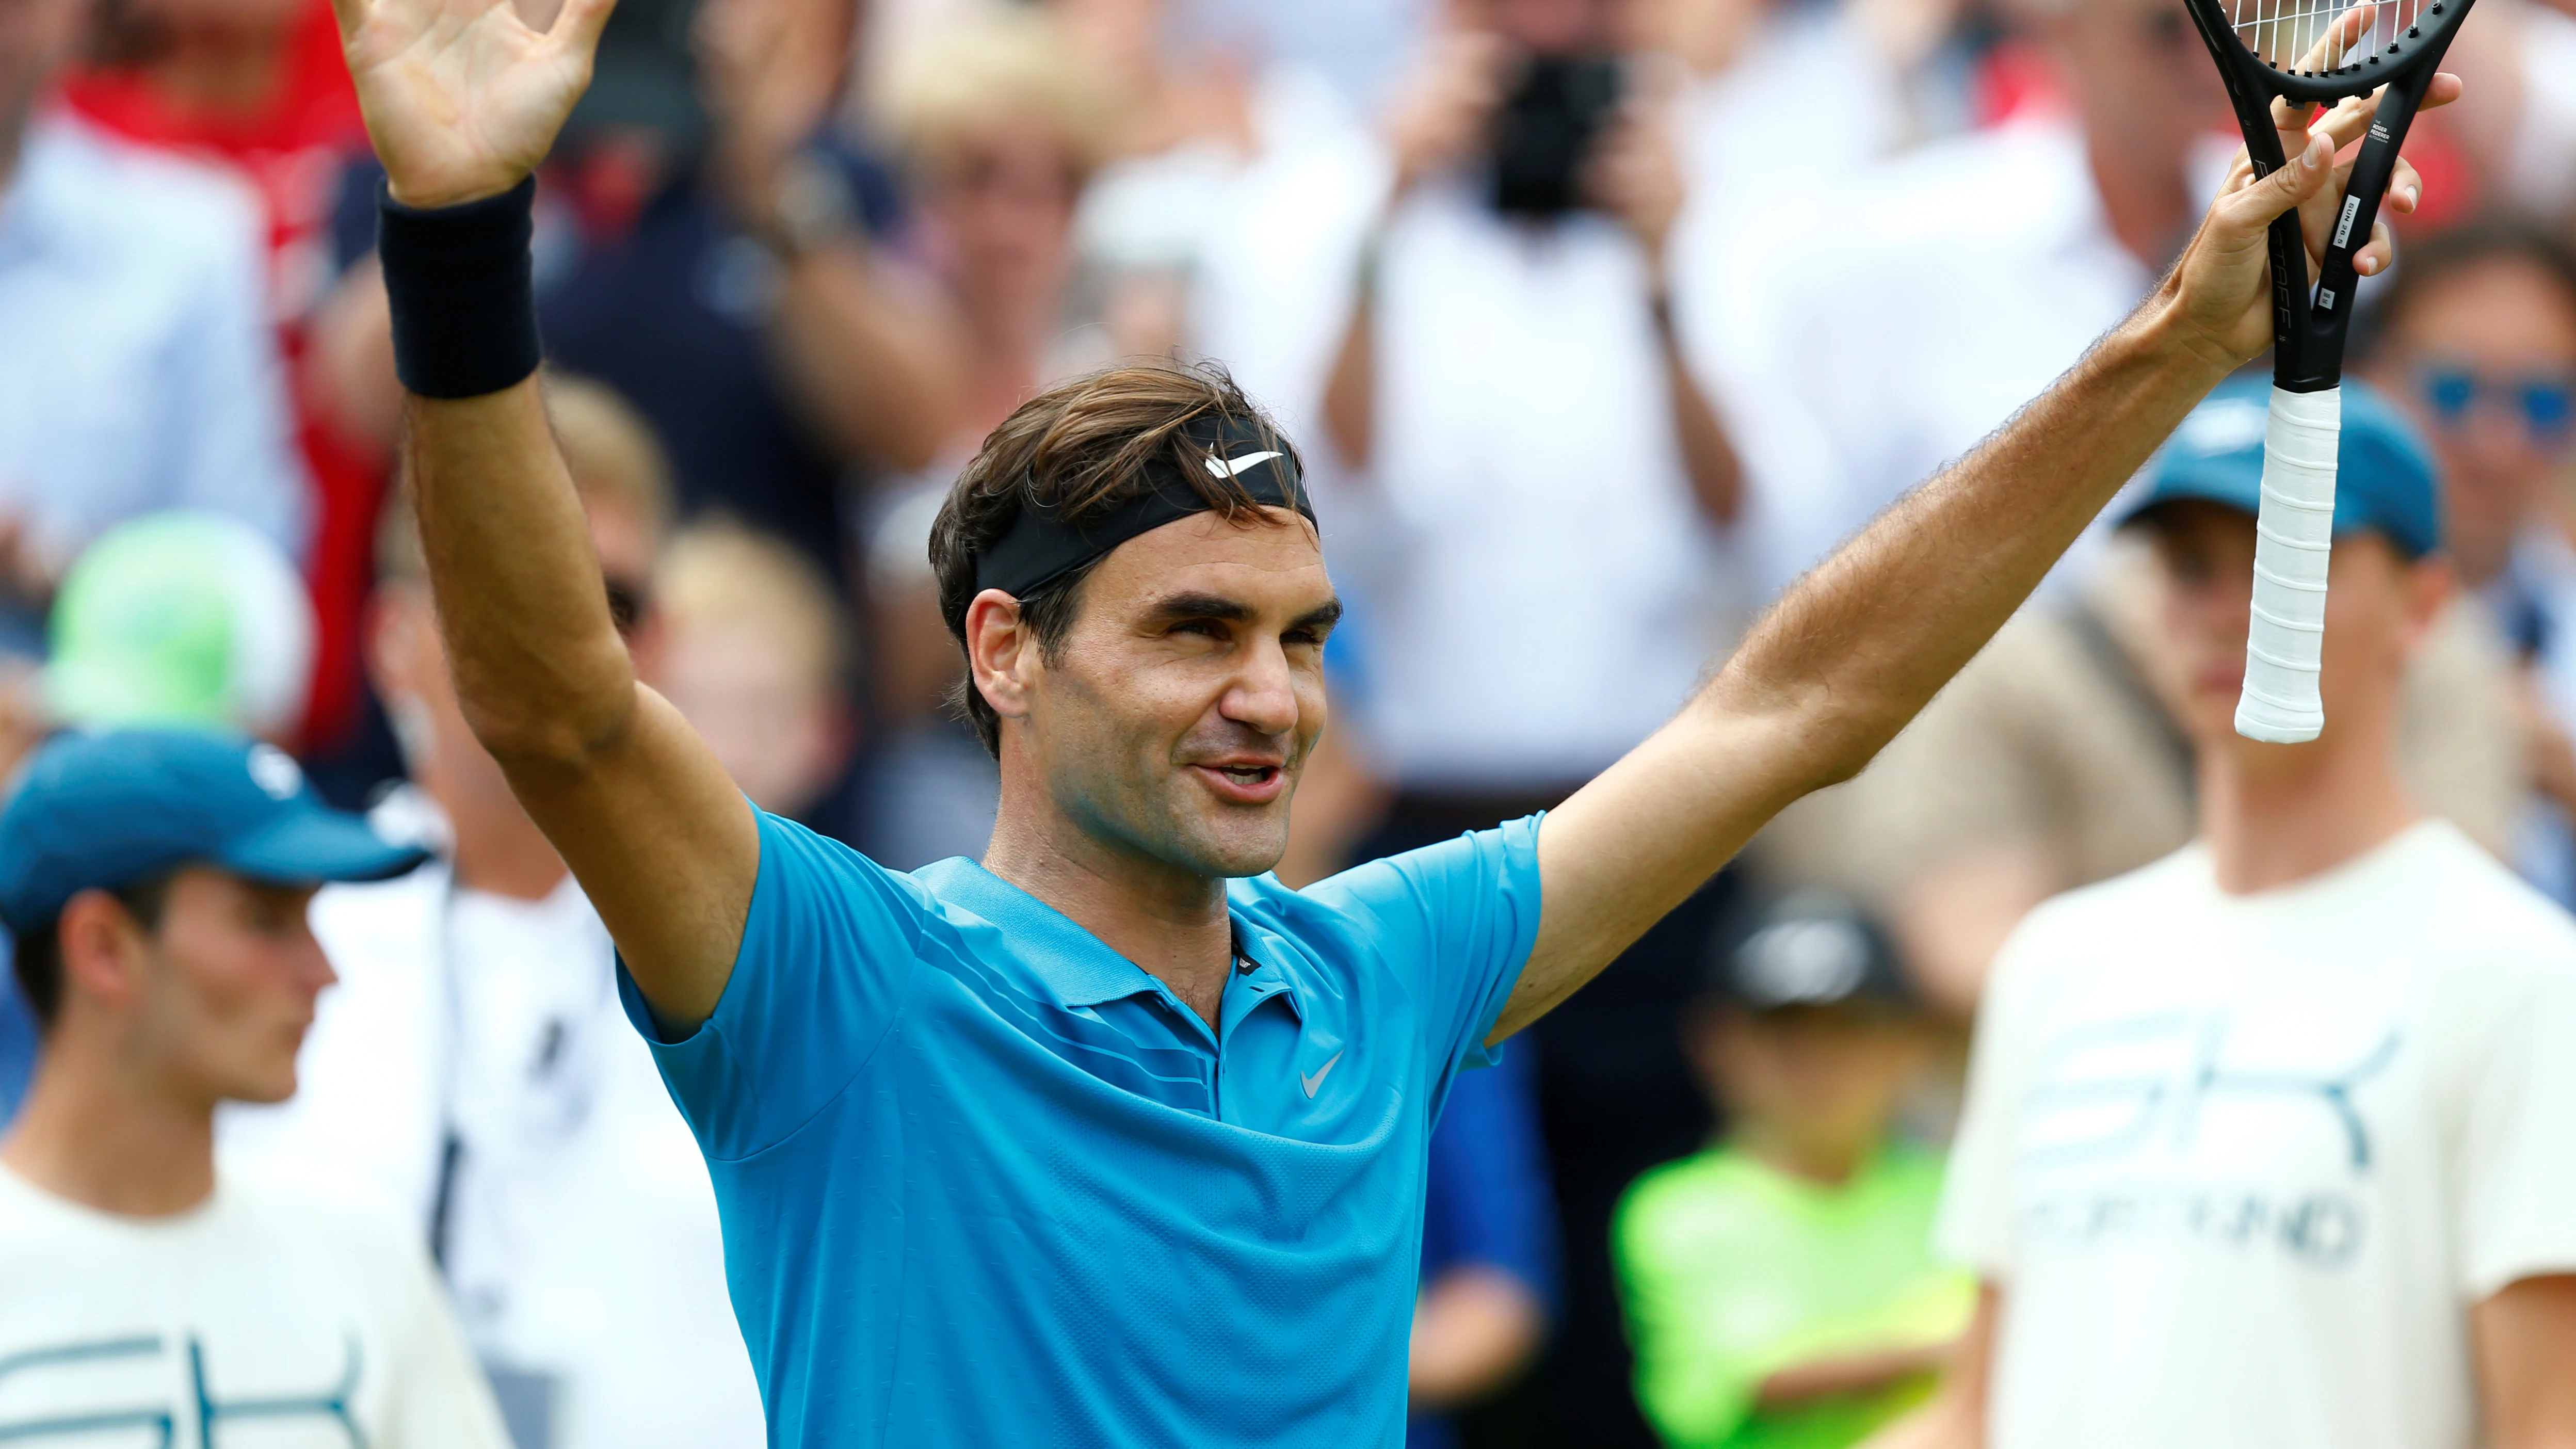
(293, 153)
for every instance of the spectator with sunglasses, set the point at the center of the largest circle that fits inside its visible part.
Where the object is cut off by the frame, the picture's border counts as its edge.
(2478, 338)
(474, 1062)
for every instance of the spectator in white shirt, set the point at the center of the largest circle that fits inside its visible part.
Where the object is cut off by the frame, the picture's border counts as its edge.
(476, 1061)
(2265, 1144)
(140, 371)
(155, 883)
(1512, 391)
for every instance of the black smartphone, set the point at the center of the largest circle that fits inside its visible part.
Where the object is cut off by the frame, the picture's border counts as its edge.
(1544, 131)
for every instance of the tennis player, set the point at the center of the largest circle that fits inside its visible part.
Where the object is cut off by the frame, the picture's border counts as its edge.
(2268, 1143)
(1110, 1139)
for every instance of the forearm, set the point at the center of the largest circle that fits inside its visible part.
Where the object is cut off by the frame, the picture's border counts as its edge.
(540, 669)
(1708, 456)
(1350, 393)
(875, 369)
(1856, 1373)
(1853, 651)
(1473, 1331)
(1862, 643)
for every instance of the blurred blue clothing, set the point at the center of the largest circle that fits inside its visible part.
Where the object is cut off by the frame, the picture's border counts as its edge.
(17, 1038)
(141, 372)
(1489, 1203)
(986, 1181)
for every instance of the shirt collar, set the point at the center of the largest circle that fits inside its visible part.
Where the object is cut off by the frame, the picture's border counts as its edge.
(1073, 964)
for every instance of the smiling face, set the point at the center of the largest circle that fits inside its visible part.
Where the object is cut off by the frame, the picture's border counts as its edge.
(1170, 726)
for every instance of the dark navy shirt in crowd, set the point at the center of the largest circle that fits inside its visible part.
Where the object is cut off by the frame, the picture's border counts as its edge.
(984, 1181)
(1488, 1204)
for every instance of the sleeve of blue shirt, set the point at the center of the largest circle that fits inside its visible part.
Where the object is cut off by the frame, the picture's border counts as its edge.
(829, 951)
(1458, 920)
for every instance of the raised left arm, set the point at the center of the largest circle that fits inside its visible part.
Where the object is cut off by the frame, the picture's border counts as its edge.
(1863, 642)
(2526, 1338)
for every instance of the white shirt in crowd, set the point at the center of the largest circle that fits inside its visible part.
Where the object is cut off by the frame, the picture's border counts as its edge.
(1921, 306)
(275, 1313)
(141, 371)
(2241, 1165)
(579, 1232)
(1554, 598)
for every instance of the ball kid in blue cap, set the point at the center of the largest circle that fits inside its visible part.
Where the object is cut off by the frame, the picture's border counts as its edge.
(2390, 580)
(154, 884)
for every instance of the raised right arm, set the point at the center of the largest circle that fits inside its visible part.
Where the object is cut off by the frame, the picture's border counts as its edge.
(462, 101)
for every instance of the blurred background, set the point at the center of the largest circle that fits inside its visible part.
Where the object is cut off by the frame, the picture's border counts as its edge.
(1599, 322)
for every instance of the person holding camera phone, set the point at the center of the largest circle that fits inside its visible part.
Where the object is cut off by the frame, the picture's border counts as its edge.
(1518, 416)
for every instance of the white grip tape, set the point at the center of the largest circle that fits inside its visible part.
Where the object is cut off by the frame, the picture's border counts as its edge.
(2293, 533)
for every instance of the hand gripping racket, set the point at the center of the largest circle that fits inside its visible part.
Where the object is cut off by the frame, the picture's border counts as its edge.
(2304, 53)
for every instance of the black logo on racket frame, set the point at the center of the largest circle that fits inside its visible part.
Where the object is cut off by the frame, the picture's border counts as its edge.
(2308, 53)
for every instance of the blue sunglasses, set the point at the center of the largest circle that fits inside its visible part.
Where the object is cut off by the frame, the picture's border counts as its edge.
(2546, 404)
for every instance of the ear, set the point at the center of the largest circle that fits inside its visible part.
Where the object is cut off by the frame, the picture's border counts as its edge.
(2429, 584)
(1001, 656)
(102, 952)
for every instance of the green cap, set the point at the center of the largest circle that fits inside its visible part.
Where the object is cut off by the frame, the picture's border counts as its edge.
(181, 619)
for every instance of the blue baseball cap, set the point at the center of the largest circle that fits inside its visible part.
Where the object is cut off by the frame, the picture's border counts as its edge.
(99, 810)
(2384, 478)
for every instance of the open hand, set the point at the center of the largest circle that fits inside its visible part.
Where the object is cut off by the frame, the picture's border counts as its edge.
(462, 98)
(2222, 287)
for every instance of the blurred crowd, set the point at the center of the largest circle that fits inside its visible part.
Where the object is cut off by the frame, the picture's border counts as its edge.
(1599, 321)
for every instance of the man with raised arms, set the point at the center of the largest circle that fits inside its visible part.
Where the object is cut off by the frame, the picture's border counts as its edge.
(1110, 1139)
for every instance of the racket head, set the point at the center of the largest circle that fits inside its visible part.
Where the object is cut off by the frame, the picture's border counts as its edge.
(2318, 52)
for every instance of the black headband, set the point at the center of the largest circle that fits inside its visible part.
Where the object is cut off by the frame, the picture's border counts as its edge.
(1041, 548)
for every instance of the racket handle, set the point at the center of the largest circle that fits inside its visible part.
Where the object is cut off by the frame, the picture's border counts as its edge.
(2293, 532)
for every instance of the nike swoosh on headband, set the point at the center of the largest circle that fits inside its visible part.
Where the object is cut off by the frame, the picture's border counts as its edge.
(1233, 468)
(1316, 1081)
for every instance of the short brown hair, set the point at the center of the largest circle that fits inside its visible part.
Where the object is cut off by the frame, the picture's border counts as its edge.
(1081, 449)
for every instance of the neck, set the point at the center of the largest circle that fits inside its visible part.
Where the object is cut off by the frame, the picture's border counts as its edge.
(2146, 198)
(1808, 1157)
(2277, 814)
(1170, 922)
(96, 1131)
(214, 72)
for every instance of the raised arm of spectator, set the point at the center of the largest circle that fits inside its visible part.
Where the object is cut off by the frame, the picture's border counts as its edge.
(1851, 653)
(1638, 178)
(1440, 117)
(1955, 1416)
(2526, 1335)
(462, 101)
(869, 353)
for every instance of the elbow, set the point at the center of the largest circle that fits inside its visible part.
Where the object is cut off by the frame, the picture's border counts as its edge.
(553, 736)
(1820, 735)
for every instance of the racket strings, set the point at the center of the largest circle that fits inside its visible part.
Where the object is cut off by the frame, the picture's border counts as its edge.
(2322, 36)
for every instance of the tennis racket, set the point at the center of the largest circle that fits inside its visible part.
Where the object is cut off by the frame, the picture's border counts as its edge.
(2304, 53)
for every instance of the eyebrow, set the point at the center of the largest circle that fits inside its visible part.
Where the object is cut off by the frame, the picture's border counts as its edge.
(1175, 607)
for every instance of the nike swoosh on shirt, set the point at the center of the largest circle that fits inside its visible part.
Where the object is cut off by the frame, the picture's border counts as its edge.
(1233, 468)
(1316, 1081)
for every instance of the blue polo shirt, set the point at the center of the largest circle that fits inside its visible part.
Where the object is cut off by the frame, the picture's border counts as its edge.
(984, 1181)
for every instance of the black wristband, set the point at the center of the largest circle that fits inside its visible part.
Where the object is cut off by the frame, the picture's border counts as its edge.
(464, 306)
